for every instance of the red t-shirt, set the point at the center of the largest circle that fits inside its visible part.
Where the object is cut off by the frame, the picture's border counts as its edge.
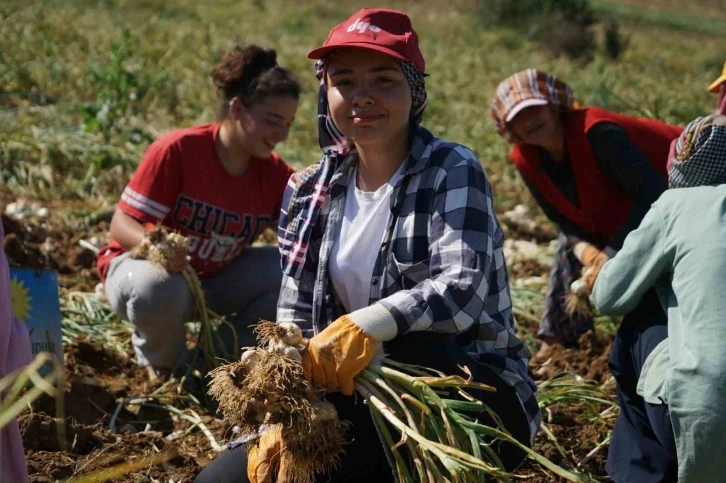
(182, 182)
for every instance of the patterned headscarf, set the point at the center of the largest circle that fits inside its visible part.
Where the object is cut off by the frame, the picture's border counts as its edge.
(700, 154)
(304, 209)
(525, 88)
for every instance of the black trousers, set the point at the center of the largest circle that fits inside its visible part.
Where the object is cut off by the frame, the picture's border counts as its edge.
(643, 447)
(365, 459)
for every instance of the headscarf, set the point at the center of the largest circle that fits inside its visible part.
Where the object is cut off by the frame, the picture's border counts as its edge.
(526, 88)
(304, 209)
(700, 154)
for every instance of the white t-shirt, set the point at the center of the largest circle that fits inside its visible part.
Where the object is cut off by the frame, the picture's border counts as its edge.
(358, 241)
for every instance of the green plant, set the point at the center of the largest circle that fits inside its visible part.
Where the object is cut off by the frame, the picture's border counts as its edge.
(514, 12)
(44, 375)
(614, 43)
(573, 39)
(117, 89)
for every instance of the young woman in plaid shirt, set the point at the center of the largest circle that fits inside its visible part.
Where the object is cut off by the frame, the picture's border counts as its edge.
(391, 244)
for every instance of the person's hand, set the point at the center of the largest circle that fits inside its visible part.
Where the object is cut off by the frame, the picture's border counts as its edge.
(589, 275)
(266, 460)
(592, 258)
(168, 249)
(589, 255)
(178, 258)
(337, 354)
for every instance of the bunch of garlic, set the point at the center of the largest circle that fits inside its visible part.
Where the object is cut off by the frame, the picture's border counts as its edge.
(286, 338)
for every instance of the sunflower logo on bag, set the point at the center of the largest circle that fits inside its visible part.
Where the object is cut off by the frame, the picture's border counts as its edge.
(20, 299)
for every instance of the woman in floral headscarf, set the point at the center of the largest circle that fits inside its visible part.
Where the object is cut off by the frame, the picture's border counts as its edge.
(593, 172)
(671, 377)
(390, 243)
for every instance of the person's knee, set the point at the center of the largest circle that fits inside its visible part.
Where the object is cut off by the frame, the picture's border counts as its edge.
(157, 294)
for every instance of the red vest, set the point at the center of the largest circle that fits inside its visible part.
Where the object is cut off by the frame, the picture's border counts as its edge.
(603, 206)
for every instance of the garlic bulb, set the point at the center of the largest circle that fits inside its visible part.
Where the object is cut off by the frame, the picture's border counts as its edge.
(293, 334)
(292, 353)
(276, 345)
(250, 358)
(325, 412)
(578, 287)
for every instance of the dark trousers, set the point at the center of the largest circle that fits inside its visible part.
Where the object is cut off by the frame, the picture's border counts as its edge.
(643, 448)
(365, 459)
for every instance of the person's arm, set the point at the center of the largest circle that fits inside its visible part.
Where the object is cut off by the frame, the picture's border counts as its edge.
(282, 178)
(624, 279)
(150, 195)
(126, 229)
(627, 166)
(569, 229)
(295, 303)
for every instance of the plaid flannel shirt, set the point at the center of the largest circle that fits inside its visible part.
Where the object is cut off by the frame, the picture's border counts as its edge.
(440, 266)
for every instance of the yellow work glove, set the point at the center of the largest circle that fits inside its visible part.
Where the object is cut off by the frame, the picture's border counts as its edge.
(590, 274)
(589, 255)
(337, 354)
(266, 460)
(592, 258)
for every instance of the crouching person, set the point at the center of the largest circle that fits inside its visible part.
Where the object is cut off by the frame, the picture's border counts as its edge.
(671, 377)
(391, 243)
(220, 185)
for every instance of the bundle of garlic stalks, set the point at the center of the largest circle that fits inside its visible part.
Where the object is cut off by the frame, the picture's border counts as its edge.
(427, 419)
(169, 250)
(578, 303)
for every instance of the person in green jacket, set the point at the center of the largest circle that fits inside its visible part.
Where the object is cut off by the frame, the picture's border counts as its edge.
(673, 392)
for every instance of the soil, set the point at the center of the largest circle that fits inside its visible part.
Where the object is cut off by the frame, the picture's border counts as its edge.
(40, 244)
(98, 380)
(588, 360)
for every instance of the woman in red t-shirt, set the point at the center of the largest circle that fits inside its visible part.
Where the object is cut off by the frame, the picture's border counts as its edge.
(220, 185)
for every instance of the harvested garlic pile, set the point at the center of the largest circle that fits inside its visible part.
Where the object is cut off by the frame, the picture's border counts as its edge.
(266, 386)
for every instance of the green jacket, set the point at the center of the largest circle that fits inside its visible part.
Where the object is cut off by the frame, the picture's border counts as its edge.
(680, 248)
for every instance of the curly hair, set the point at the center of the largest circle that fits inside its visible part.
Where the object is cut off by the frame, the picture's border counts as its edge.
(251, 73)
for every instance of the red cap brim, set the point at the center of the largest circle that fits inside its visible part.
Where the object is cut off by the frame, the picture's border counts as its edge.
(322, 52)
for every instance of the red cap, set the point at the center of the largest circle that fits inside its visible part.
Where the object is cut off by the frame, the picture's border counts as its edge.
(386, 31)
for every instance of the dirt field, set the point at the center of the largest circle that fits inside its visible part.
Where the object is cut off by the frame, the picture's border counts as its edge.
(98, 380)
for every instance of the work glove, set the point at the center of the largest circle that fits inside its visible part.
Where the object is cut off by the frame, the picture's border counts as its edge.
(266, 460)
(337, 354)
(592, 259)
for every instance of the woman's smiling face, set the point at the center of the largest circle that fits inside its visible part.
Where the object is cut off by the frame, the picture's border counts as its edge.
(536, 125)
(369, 96)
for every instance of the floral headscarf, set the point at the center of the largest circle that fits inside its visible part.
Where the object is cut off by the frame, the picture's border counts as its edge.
(700, 154)
(526, 88)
